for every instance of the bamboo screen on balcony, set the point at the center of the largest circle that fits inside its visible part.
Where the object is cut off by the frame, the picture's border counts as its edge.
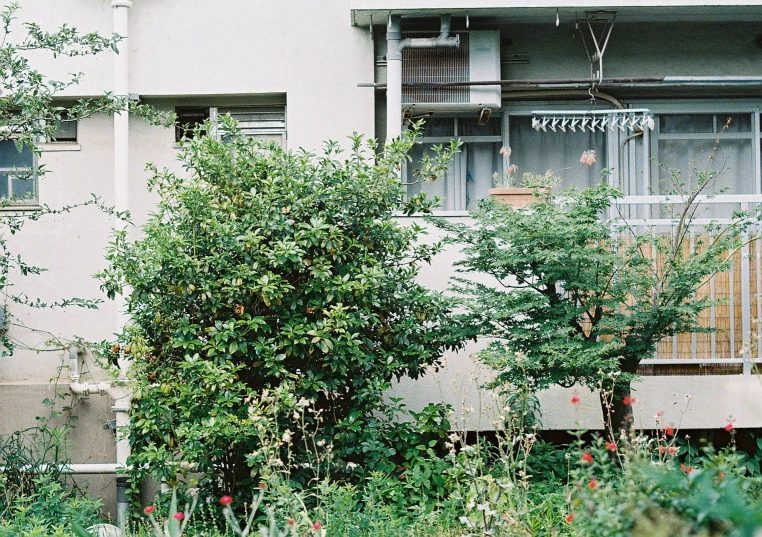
(736, 292)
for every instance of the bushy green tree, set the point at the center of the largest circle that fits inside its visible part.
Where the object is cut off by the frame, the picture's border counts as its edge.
(262, 266)
(577, 298)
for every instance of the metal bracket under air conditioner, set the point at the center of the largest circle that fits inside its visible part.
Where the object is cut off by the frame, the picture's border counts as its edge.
(596, 27)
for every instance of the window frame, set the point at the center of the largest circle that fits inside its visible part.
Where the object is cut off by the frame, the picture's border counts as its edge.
(8, 203)
(651, 139)
(498, 116)
(213, 118)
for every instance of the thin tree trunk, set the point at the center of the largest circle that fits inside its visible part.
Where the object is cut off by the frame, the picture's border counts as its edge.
(617, 400)
(617, 409)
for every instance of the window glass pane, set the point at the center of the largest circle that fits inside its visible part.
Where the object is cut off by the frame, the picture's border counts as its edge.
(439, 126)
(738, 122)
(686, 123)
(690, 158)
(4, 185)
(632, 163)
(537, 151)
(10, 157)
(66, 131)
(483, 159)
(470, 127)
(23, 187)
(442, 187)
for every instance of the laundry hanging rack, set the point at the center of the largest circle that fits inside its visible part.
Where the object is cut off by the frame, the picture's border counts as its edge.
(633, 119)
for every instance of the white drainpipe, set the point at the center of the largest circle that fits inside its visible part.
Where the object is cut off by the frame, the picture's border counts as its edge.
(394, 47)
(119, 393)
(393, 78)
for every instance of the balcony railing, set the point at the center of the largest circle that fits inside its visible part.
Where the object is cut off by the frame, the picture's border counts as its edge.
(732, 346)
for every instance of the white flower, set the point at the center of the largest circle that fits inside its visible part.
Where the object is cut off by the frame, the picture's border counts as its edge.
(287, 436)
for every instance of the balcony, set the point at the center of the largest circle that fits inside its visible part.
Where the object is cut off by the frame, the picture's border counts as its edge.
(731, 345)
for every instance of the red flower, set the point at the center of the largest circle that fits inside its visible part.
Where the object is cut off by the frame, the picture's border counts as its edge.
(672, 450)
(587, 457)
(575, 399)
(290, 522)
(402, 477)
(686, 469)
(721, 475)
(629, 400)
(669, 431)
(662, 449)
(593, 483)
(179, 515)
(569, 518)
(150, 509)
(317, 526)
(226, 500)
(729, 427)
(611, 446)
(262, 486)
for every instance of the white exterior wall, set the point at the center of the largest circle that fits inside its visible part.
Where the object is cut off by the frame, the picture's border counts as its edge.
(181, 51)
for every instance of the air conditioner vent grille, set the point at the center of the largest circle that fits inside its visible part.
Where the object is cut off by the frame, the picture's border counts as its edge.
(436, 65)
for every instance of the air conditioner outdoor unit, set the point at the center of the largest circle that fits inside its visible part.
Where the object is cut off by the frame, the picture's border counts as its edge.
(476, 59)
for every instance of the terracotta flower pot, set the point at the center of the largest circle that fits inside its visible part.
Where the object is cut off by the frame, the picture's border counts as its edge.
(515, 197)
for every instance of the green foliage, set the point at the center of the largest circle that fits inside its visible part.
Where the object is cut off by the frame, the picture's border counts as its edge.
(640, 489)
(575, 297)
(29, 113)
(262, 267)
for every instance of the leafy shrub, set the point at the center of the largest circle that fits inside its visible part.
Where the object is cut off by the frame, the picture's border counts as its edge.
(261, 267)
(640, 488)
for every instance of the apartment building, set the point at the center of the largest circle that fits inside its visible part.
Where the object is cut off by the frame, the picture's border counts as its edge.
(646, 84)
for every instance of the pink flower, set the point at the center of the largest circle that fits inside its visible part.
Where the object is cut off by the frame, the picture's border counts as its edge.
(669, 431)
(575, 399)
(506, 151)
(150, 509)
(569, 518)
(611, 446)
(729, 427)
(513, 169)
(587, 457)
(316, 526)
(592, 484)
(629, 400)
(290, 522)
(178, 516)
(226, 500)
(672, 450)
(588, 157)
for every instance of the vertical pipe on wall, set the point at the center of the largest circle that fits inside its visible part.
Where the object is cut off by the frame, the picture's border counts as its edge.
(393, 78)
(121, 203)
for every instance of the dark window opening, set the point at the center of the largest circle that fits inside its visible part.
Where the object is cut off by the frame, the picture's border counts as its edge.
(188, 119)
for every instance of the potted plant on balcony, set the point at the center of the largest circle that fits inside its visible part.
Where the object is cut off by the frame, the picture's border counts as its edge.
(509, 189)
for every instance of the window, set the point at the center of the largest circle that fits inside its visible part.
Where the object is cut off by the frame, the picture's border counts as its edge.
(66, 130)
(536, 152)
(685, 134)
(686, 142)
(266, 123)
(18, 179)
(469, 174)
